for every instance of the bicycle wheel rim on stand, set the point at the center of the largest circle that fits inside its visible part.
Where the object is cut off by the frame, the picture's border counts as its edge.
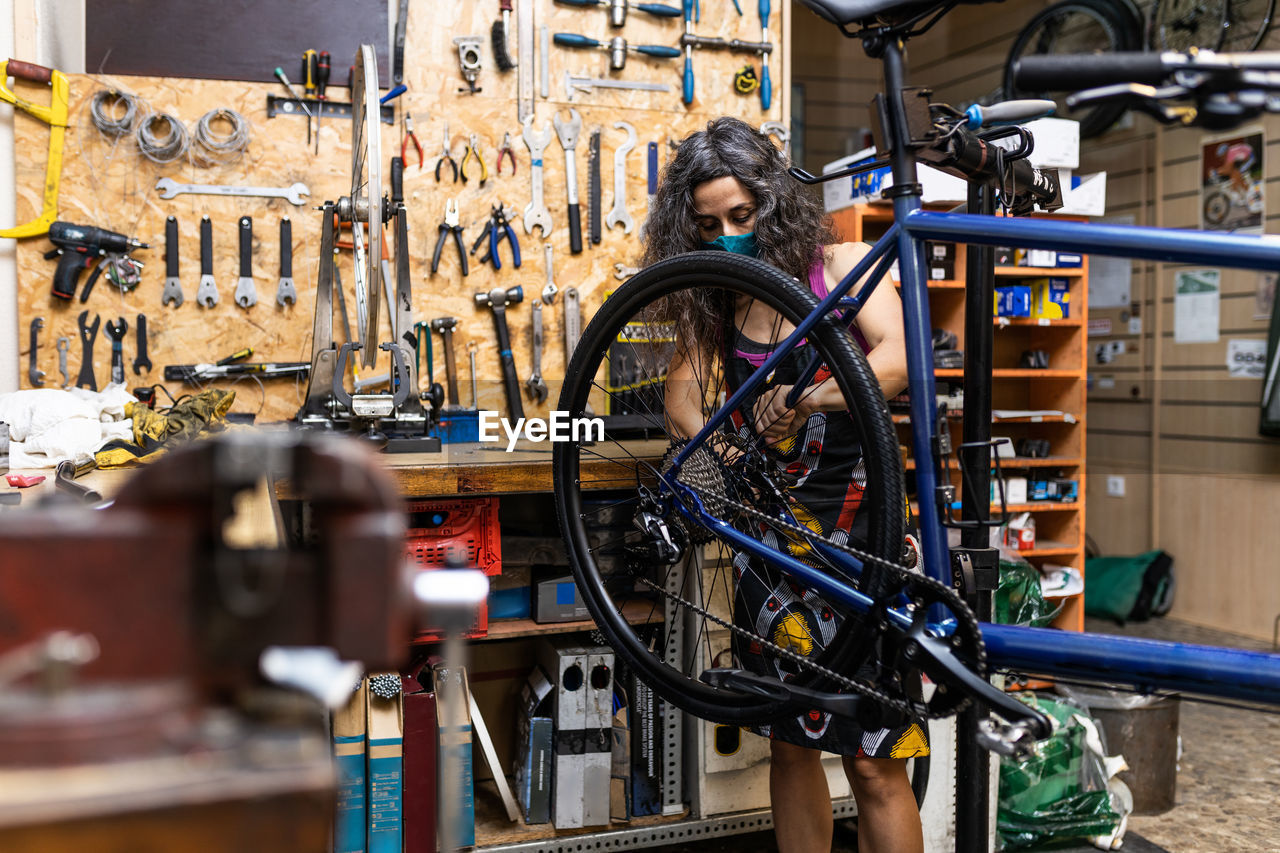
(678, 682)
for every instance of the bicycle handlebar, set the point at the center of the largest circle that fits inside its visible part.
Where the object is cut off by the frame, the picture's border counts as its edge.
(1071, 72)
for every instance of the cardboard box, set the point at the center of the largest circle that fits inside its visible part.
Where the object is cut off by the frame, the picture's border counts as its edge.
(534, 749)
(453, 717)
(1050, 298)
(1013, 300)
(386, 773)
(556, 599)
(856, 189)
(350, 741)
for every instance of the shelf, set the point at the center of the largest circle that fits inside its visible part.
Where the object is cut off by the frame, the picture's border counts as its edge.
(637, 613)
(1040, 272)
(1037, 322)
(1039, 506)
(1049, 548)
(1026, 462)
(1013, 373)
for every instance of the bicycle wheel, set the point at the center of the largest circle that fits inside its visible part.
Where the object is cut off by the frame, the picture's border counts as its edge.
(1075, 27)
(1248, 22)
(1183, 24)
(620, 521)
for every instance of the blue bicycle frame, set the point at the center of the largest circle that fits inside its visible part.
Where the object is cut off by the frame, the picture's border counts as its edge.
(1143, 664)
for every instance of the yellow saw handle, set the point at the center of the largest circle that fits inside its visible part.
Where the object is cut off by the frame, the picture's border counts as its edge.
(54, 115)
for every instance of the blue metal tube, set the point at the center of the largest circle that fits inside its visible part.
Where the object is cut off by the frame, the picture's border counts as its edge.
(1128, 241)
(1145, 664)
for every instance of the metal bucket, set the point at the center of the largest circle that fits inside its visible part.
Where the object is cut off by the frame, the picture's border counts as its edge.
(1144, 729)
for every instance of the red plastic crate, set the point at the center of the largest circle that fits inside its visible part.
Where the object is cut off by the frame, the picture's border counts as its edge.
(467, 526)
(479, 629)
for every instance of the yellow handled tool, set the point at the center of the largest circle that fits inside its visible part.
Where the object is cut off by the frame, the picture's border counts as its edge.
(55, 115)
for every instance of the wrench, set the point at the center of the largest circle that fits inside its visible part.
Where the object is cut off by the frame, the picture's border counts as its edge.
(141, 360)
(207, 293)
(246, 293)
(622, 272)
(295, 194)
(549, 290)
(88, 334)
(567, 132)
(116, 332)
(64, 344)
(536, 213)
(535, 385)
(286, 293)
(619, 214)
(34, 373)
(573, 332)
(172, 286)
(778, 129)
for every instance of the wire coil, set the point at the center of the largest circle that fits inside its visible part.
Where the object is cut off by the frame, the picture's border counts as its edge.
(213, 147)
(105, 104)
(162, 138)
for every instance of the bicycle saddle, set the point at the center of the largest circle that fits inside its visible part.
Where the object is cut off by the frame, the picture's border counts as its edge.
(846, 12)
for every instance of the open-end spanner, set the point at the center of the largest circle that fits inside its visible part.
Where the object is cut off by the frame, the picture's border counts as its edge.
(116, 332)
(246, 293)
(34, 373)
(295, 194)
(619, 215)
(536, 213)
(549, 290)
(64, 344)
(207, 292)
(622, 272)
(88, 334)
(286, 293)
(141, 360)
(535, 385)
(172, 284)
(567, 132)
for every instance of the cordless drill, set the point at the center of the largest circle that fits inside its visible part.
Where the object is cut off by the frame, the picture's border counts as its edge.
(77, 247)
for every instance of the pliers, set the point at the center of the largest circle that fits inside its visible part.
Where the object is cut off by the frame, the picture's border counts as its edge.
(446, 157)
(497, 229)
(505, 151)
(404, 141)
(473, 149)
(449, 226)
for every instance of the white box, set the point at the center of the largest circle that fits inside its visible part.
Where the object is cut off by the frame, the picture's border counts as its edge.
(1057, 143)
(856, 189)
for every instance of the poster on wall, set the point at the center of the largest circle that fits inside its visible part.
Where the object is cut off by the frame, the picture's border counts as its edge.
(1196, 304)
(1231, 187)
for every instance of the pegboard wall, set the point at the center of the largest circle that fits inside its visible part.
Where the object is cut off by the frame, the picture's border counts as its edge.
(109, 184)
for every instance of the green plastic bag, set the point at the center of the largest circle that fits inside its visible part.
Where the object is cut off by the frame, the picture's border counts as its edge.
(1019, 599)
(1129, 588)
(1060, 791)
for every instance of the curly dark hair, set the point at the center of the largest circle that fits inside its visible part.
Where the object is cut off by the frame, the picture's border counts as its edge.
(790, 226)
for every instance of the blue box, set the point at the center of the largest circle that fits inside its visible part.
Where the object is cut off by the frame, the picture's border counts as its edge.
(1069, 259)
(1013, 300)
(459, 426)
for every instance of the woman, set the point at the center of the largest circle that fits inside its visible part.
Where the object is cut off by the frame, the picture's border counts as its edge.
(727, 188)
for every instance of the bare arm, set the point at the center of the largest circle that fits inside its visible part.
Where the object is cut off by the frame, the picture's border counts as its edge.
(879, 321)
(683, 392)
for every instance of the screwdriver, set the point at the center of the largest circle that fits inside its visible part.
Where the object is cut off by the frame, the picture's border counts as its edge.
(322, 83)
(309, 80)
(766, 88)
(293, 93)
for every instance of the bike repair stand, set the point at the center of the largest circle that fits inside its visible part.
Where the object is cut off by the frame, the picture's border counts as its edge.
(975, 565)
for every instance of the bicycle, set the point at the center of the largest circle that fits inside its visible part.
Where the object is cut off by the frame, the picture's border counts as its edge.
(691, 509)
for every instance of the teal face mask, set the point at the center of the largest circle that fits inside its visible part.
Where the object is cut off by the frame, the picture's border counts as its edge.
(738, 244)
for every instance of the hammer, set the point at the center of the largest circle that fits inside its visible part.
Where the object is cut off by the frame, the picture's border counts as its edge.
(498, 299)
(445, 326)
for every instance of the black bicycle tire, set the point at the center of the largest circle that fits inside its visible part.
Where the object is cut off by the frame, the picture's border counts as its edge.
(1124, 35)
(856, 381)
(1259, 33)
(1157, 41)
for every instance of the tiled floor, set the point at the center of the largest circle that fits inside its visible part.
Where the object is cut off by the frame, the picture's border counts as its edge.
(1228, 787)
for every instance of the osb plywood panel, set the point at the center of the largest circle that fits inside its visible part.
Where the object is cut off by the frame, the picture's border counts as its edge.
(111, 185)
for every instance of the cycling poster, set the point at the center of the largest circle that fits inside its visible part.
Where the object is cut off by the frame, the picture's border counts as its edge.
(1231, 188)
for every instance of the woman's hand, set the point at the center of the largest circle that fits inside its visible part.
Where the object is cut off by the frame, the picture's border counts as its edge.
(773, 420)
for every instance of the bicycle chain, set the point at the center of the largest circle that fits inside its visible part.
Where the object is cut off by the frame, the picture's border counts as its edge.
(962, 612)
